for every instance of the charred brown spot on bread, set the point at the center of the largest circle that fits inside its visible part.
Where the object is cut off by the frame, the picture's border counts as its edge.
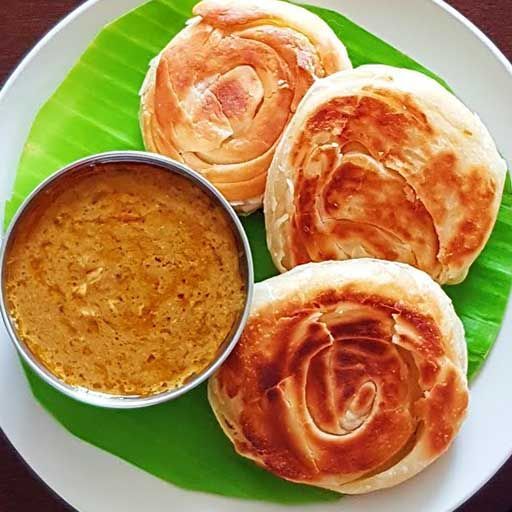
(367, 328)
(269, 375)
(446, 406)
(316, 339)
(429, 369)
(232, 96)
(331, 115)
(367, 346)
(477, 191)
(393, 113)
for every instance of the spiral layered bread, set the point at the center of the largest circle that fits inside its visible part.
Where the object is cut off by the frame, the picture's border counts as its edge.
(350, 375)
(220, 94)
(383, 162)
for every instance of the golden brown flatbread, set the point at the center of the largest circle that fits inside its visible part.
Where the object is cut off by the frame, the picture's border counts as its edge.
(350, 375)
(383, 162)
(220, 94)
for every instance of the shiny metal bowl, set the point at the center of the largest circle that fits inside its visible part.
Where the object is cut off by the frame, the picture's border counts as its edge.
(132, 401)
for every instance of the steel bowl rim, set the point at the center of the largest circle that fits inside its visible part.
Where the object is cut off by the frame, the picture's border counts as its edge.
(106, 400)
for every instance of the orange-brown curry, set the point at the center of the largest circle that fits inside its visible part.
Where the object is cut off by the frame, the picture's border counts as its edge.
(124, 279)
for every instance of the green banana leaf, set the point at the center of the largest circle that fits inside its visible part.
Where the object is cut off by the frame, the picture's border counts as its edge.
(95, 109)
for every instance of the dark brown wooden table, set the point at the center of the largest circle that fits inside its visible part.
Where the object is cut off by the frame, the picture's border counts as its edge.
(22, 23)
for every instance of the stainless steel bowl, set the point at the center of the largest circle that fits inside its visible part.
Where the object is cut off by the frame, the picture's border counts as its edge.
(132, 401)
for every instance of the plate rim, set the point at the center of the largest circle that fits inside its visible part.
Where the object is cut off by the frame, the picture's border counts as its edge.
(88, 4)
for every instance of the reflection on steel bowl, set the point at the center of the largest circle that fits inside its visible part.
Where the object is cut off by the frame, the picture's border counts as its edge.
(126, 279)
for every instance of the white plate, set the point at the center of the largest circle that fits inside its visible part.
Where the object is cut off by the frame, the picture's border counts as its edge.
(92, 480)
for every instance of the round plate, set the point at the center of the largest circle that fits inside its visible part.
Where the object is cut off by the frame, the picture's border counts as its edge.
(90, 479)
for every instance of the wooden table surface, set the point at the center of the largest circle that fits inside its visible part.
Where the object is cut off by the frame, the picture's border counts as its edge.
(22, 23)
